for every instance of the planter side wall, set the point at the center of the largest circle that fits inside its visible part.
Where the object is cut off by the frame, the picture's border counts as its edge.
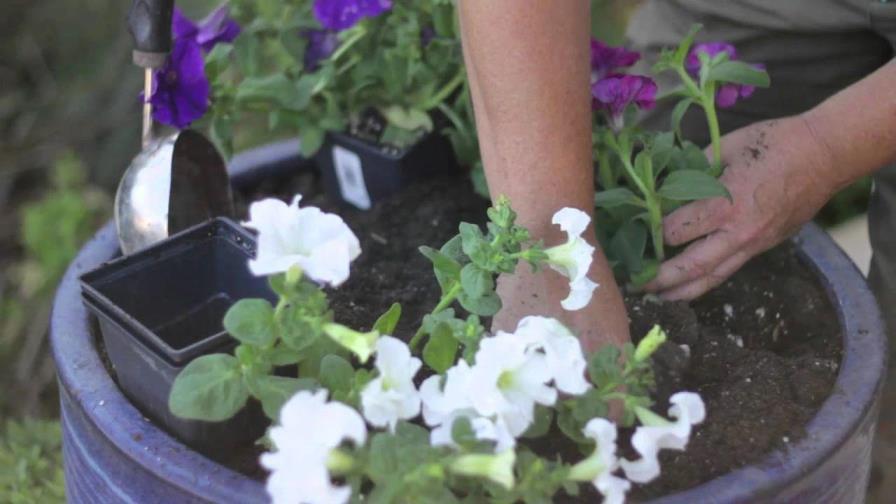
(112, 454)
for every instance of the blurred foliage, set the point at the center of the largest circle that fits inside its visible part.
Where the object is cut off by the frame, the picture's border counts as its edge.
(31, 463)
(52, 228)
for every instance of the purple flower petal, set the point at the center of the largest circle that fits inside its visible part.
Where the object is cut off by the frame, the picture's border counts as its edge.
(726, 95)
(217, 27)
(615, 92)
(321, 44)
(711, 49)
(181, 26)
(339, 15)
(606, 59)
(180, 89)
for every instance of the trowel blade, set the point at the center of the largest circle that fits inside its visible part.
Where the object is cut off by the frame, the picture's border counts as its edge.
(200, 187)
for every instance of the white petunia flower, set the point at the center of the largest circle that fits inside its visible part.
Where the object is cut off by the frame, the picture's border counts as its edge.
(657, 434)
(509, 380)
(320, 243)
(391, 396)
(497, 468)
(442, 405)
(599, 467)
(562, 350)
(573, 258)
(310, 429)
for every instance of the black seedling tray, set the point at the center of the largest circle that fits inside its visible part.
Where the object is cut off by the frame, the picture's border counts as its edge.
(360, 172)
(162, 307)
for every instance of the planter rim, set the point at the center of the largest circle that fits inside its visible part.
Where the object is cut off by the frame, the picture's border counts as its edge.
(82, 374)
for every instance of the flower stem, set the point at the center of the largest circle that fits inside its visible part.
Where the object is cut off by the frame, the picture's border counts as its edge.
(357, 35)
(445, 302)
(655, 214)
(445, 92)
(605, 171)
(712, 120)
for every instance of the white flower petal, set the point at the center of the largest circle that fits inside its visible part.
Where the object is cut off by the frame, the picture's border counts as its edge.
(571, 220)
(580, 292)
(613, 488)
(562, 350)
(688, 410)
(298, 467)
(320, 243)
(391, 396)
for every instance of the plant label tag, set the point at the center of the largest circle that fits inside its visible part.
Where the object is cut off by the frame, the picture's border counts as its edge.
(351, 178)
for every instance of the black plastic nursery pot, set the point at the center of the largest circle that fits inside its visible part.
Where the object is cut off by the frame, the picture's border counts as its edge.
(162, 307)
(360, 173)
(113, 454)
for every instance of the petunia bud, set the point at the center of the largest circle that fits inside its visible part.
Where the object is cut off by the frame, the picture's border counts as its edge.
(497, 468)
(360, 344)
(648, 345)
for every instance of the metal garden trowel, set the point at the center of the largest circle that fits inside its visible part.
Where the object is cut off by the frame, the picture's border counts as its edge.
(175, 181)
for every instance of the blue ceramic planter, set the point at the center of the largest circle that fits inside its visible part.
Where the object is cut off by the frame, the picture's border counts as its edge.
(113, 454)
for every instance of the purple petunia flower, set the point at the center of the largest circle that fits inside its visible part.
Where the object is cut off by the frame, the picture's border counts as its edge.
(217, 27)
(342, 14)
(615, 92)
(728, 93)
(180, 90)
(321, 44)
(606, 59)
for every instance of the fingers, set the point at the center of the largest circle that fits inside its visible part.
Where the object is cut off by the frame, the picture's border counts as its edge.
(695, 220)
(699, 259)
(704, 284)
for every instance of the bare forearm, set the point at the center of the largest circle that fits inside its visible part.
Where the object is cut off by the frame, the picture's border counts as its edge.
(528, 64)
(857, 127)
(529, 73)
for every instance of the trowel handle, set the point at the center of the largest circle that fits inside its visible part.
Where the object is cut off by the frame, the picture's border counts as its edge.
(149, 22)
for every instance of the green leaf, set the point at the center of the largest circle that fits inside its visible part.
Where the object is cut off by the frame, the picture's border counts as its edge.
(462, 432)
(738, 72)
(678, 113)
(648, 271)
(276, 89)
(282, 356)
(441, 349)
(407, 119)
(446, 269)
(603, 366)
(453, 248)
(684, 46)
(541, 423)
(336, 375)
(311, 139)
(221, 130)
(210, 388)
(484, 306)
(273, 391)
(386, 323)
(475, 281)
(628, 244)
(689, 185)
(398, 454)
(251, 321)
(619, 196)
(644, 168)
(474, 243)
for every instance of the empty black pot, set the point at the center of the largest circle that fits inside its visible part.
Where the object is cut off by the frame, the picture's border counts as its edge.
(360, 172)
(162, 307)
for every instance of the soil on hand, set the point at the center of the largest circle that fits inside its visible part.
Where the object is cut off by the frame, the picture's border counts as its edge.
(762, 350)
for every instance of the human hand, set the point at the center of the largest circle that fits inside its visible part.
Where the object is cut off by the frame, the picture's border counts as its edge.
(779, 175)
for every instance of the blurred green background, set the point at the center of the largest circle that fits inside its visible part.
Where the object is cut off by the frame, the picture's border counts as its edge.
(70, 122)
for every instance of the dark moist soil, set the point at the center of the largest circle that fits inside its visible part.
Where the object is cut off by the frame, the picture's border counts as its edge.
(762, 349)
